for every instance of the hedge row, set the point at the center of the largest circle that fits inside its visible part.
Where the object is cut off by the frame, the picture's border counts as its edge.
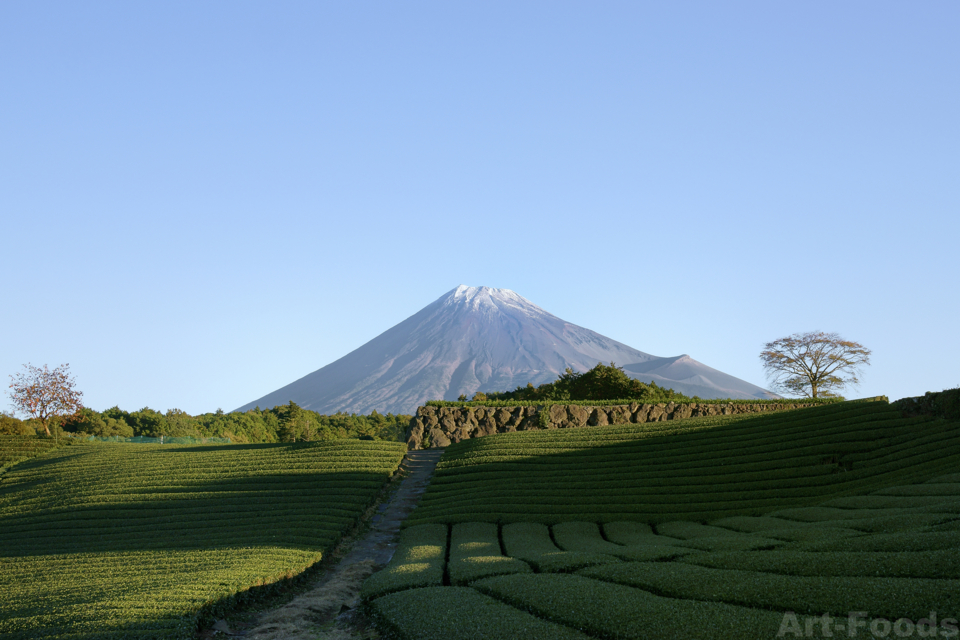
(531, 542)
(627, 401)
(442, 613)
(585, 537)
(123, 540)
(861, 446)
(890, 598)
(726, 528)
(418, 562)
(475, 553)
(16, 449)
(613, 611)
(943, 563)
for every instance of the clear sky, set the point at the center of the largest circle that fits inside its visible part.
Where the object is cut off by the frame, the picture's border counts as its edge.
(204, 201)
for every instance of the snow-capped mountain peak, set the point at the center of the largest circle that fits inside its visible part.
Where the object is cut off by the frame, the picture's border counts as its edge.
(482, 339)
(490, 299)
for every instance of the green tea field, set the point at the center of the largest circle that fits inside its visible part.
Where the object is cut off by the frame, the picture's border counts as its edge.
(694, 469)
(14, 449)
(125, 540)
(835, 521)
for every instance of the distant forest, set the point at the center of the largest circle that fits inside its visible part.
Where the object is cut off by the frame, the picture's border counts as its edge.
(603, 382)
(285, 423)
(292, 423)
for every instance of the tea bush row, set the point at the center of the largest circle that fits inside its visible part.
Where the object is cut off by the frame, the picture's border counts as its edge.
(713, 531)
(943, 563)
(442, 613)
(585, 537)
(94, 544)
(886, 597)
(683, 473)
(532, 543)
(734, 577)
(14, 449)
(419, 561)
(615, 611)
(475, 553)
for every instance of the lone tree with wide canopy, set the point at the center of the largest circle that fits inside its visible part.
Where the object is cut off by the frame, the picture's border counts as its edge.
(44, 393)
(814, 364)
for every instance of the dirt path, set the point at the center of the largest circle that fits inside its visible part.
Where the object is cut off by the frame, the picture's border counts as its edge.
(381, 541)
(314, 615)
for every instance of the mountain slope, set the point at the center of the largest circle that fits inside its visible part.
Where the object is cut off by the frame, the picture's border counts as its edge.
(480, 338)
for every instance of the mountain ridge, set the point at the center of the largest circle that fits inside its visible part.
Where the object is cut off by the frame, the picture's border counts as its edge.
(482, 339)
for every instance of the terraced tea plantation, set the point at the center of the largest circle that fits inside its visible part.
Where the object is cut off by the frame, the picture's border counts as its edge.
(14, 449)
(730, 528)
(695, 469)
(122, 540)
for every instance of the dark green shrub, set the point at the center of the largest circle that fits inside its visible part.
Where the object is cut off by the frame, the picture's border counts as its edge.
(943, 404)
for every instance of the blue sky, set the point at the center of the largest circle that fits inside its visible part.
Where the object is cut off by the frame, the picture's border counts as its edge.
(202, 202)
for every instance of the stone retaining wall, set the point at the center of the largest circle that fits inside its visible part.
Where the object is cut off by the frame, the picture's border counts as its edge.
(440, 426)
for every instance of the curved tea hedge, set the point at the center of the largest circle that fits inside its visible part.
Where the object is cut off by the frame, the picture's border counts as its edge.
(835, 521)
(695, 469)
(123, 540)
(14, 449)
(733, 578)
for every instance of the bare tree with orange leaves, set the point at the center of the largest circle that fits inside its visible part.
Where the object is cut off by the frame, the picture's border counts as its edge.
(44, 394)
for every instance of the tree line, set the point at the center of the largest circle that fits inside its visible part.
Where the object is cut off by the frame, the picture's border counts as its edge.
(283, 423)
(603, 382)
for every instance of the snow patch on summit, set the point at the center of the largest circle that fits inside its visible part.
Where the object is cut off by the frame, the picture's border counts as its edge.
(489, 299)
